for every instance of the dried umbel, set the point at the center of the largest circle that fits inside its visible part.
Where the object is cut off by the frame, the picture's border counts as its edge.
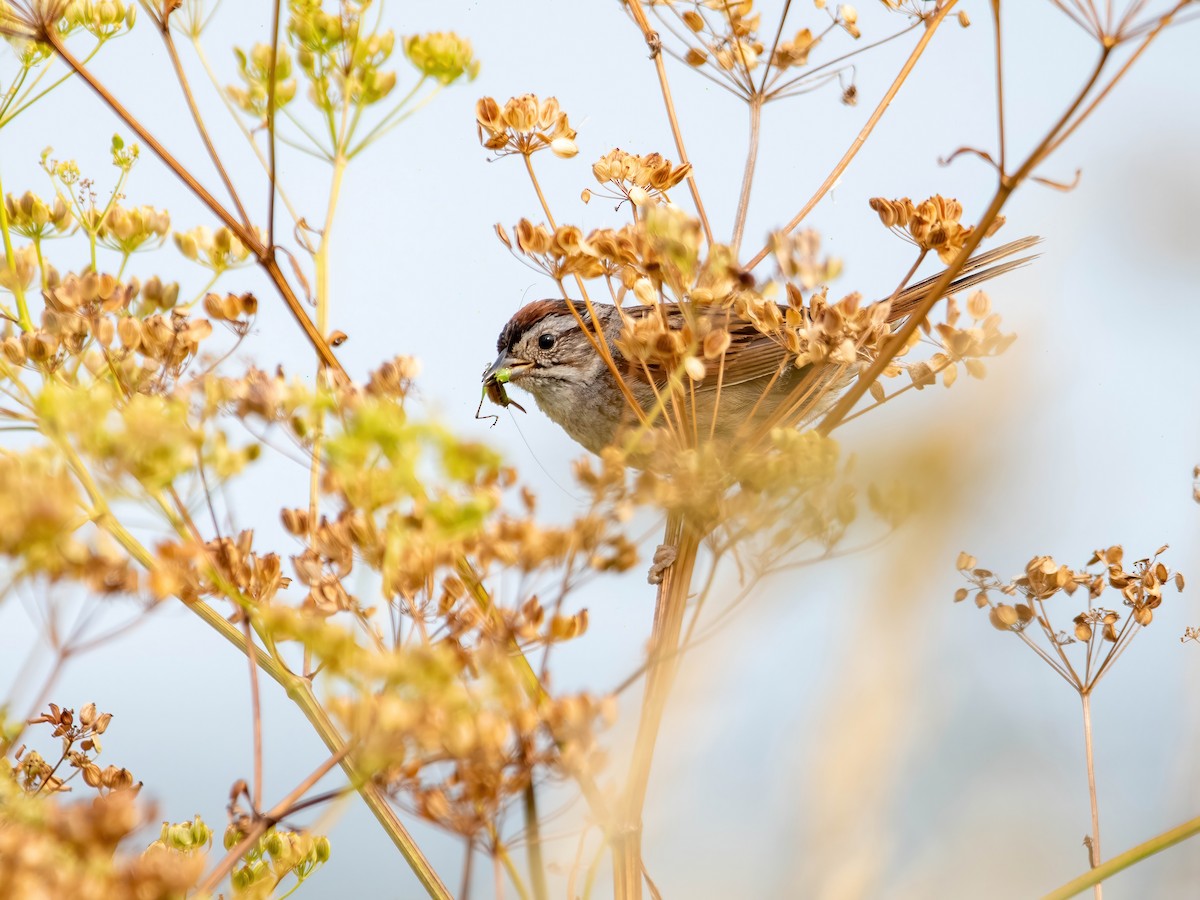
(933, 224)
(525, 125)
(726, 42)
(639, 179)
(1104, 632)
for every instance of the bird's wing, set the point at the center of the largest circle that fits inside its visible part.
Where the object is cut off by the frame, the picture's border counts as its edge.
(753, 355)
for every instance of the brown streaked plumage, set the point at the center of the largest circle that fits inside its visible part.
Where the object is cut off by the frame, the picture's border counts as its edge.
(547, 354)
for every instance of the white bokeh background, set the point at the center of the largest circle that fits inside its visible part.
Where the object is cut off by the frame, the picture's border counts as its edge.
(849, 732)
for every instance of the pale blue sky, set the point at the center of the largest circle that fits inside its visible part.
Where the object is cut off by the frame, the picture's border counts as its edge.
(960, 753)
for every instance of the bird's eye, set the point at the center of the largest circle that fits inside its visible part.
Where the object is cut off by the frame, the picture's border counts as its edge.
(546, 341)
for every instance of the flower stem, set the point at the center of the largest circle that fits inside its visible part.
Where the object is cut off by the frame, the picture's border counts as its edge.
(18, 289)
(743, 207)
(626, 839)
(1094, 844)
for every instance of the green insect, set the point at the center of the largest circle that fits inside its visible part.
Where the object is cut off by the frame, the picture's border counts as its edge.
(493, 389)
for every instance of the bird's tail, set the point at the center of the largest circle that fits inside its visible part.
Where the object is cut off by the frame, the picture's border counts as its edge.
(980, 268)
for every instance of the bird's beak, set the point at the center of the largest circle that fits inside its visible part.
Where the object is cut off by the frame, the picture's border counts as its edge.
(504, 363)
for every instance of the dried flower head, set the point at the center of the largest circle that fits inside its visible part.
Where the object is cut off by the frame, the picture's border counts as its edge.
(1105, 633)
(933, 224)
(639, 179)
(525, 125)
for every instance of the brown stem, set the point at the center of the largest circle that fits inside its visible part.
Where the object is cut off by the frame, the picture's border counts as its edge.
(762, 85)
(246, 235)
(1104, 91)
(999, 88)
(266, 821)
(626, 839)
(1094, 857)
(165, 30)
(655, 45)
(743, 208)
(938, 290)
(931, 26)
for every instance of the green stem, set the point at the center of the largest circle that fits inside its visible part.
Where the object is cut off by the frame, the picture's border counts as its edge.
(389, 122)
(11, 93)
(23, 319)
(1124, 860)
(533, 844)
(321, 263)
(518, 882)
(212, 77)
(298, 689)
(23, 104)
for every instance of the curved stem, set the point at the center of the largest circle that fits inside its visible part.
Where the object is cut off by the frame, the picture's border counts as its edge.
(1123, 861)
(212, 77)
(181, 76)
(322, 276)
(938, 290)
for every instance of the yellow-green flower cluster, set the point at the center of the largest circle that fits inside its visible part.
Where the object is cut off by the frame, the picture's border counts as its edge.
(255, 70)
(129, 230)
(340, 58)
(101, 18)
(216, 250)
(32, 217)
(442, 55)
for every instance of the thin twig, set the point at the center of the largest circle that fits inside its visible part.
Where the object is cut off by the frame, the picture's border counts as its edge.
(198, 119)
(266, 821)
(655, 45)
(931, 27)
(938, 289)
(255, 713)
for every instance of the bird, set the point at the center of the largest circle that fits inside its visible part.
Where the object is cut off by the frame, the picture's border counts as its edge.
(544, 351)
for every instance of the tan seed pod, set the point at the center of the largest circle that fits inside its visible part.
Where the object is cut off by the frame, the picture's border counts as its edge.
(129, 330)
(103, 329)
(1003, 617)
